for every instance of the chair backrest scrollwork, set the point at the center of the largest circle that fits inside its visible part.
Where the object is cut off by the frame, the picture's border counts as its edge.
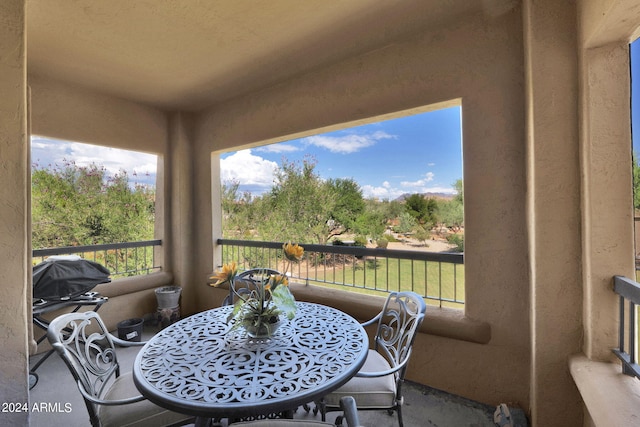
(246, 281)
(398, 324)
(83, 342)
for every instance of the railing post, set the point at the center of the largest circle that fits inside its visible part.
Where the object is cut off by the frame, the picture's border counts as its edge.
(621, 327)
(632, 332)
(628, 290)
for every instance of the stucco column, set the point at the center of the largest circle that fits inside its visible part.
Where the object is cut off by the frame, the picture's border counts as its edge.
(553, 213)
(14, 193)
(608, 194)
(180, 187)
(206, 219)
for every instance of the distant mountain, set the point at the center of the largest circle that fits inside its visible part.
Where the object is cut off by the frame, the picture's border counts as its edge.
(444, 196)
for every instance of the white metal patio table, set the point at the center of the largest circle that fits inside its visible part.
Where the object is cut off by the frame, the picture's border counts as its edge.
(198, 366)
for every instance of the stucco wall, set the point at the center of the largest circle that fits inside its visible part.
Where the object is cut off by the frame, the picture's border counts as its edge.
(480, 62)
(64, 111)
(554, 208)
(14, 192)
(605, 30)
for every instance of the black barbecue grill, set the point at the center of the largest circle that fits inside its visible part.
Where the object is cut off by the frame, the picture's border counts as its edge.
(60, 282)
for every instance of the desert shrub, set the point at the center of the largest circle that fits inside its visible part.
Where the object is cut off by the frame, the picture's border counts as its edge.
(382, 243)
(458, 240)
(360, 241)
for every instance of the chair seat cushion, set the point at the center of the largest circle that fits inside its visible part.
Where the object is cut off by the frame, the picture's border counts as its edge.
(281, 423)
(144, 413)
(369, 393)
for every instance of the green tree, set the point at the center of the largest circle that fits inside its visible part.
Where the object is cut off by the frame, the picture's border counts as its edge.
(422, 209)
(451, 212)
(74, 205)
(406, 223)
(348, 202)
(416, 206)
(229, 195)
(459, 187)
(238, 212)
(298, 207)
(372, 222)
(128, 213)
(422, 235)
(392, 209)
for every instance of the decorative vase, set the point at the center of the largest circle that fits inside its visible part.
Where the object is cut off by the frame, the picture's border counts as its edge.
(168, 296)
(266, 329)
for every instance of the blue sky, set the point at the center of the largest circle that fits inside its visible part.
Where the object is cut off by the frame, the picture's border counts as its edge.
(413, 154)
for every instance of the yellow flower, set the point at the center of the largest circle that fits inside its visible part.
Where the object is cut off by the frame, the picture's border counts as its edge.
(293, 252)
(226, 274)
(275, 280)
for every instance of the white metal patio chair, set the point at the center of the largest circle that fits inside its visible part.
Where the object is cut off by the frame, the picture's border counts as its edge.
(347, 405)
(87, 348)
(378, 384)
(244, 282)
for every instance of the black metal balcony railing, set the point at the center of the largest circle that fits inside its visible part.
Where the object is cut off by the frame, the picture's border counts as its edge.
(122, 259)
(629, 291)
(437, 276)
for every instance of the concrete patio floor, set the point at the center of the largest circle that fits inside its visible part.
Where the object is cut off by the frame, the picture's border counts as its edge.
(424, 406)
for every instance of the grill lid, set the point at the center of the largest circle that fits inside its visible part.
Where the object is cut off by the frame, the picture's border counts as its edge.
(65, 277)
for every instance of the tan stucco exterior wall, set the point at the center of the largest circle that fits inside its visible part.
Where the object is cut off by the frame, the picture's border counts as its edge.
(605, 145)
(180, 237)
(68, 112)
(481, 62)
(605, 29)
(553, 208)
(608, 199)
(14, 221)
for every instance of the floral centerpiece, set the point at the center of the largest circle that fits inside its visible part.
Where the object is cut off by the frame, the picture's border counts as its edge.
(258, 309)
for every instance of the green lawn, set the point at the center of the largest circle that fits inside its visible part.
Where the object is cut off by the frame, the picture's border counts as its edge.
(443, 280)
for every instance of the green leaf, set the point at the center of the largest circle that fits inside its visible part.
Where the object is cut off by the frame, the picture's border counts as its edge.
(285, 301)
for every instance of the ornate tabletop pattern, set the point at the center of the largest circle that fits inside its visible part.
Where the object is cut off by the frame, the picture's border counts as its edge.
(199, 366)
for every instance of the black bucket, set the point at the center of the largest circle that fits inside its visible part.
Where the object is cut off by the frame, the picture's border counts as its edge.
(130, 329)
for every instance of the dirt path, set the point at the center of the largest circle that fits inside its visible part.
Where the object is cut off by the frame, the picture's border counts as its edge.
(407, 243)
(428, 246)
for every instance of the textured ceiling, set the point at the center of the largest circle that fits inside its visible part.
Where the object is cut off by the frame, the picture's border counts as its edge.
(190, 54)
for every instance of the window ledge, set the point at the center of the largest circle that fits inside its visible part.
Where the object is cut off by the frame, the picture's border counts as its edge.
(129, 285)
(444, 322)
(610, 397)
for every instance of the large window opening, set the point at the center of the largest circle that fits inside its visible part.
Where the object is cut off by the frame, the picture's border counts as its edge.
(393, 184)
(93, 201)
(631, 346)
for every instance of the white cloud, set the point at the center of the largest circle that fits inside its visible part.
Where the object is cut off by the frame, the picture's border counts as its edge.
(380, 192)
(428, 177)
(445, 190)
(247, 169)
(114, 160)
(387, 191)
(278, 148)
(47, 153)
(348, 143)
